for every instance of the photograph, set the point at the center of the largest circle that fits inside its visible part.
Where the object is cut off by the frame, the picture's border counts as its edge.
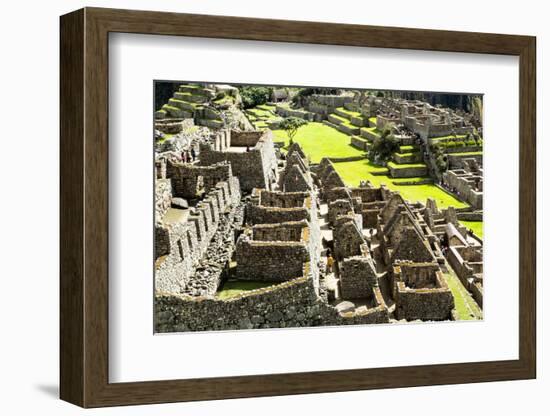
(285, 206)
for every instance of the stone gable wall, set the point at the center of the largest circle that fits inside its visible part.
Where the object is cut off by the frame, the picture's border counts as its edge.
(269, 261)
(357, 277)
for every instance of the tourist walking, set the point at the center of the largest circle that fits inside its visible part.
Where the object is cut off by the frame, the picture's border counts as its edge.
(330, 262)
(193, 154)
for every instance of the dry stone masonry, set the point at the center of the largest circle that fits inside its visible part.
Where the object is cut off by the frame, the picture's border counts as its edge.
(248, 236)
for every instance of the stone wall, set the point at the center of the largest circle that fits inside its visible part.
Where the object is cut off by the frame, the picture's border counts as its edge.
(337, 208)
(274, 207)
(467, 262)
(357, 277)
(468, 186)
(256, 214)
(163, 198)
(408, 172)
(430, 299)
(179, 245)
(245, 138)
(269, 261)
(285, 111)
(255, 168)
(455, 160)
(348, 237)
(287, 231)
(359, 142)
(289, 304)
(189, 181)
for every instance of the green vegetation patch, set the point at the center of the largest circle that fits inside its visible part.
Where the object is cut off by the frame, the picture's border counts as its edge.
(465, 305)
(234, 288)
(408, 149)
(467, 154)
(475, 226)
(260, 113)
(267, 107)
(354, 172)
(450, 136)
(349, 112)
(319, 140)
(372, 130)
(406, 154)
(398, 181)
(406, 165)
(372, 120)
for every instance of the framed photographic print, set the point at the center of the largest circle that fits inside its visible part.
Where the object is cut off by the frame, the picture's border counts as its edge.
(255, 207)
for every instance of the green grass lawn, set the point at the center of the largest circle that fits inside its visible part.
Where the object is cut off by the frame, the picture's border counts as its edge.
(408, 148)
(467, 154)
(465, 305)
(349, 112)
(406, 165)
(319, 140)
(353, 172)
(458, 137)
(476, 226)
(233, 288)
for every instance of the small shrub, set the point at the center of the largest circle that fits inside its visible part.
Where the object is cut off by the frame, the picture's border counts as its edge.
(460, 144)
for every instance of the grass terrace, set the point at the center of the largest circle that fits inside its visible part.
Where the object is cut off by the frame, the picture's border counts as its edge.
(261, 113)
(408, 149)
(266, 107)
(406, 165)
(372, 130)
(349, 112)
(372, 120)
(319, 140)
(467, 154)
(475, 226)
(344, 121)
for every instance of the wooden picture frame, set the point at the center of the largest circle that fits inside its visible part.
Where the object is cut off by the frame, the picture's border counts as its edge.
(84, 207)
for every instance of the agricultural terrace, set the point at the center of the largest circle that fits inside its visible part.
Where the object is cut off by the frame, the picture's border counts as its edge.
(319, 140)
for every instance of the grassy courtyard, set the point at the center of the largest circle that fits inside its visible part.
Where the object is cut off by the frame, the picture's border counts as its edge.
(319, 140)
(353, 172)
(233, 288)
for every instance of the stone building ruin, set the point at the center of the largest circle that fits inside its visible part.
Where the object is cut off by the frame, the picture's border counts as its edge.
(237, 210)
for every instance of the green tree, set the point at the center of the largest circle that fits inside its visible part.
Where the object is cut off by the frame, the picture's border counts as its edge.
(291, 125)
(384, 146)
(253, 96)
